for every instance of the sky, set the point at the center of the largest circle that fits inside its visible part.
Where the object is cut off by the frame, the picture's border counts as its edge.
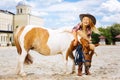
(65, 13)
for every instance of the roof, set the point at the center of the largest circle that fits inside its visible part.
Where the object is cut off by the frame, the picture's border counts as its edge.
(118, 36)
(7, 12)
(3, 31)
(22, 3)
(102, 37)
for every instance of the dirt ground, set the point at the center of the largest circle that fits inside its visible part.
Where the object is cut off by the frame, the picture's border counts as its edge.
(105, 66)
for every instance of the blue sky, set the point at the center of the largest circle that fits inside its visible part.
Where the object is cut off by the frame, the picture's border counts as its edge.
(65, 13)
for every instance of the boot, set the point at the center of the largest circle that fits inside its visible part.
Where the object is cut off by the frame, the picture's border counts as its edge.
(80, 69)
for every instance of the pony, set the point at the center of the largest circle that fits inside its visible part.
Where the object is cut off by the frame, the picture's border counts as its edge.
(43, 40)
(46, 42)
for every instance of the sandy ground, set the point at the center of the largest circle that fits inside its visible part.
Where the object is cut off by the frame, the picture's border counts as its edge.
(105, 66)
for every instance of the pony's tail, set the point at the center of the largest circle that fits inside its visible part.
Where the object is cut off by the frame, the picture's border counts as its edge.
(16, 39)
(28, 59)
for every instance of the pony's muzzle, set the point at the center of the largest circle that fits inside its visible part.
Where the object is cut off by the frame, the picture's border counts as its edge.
(87, 65)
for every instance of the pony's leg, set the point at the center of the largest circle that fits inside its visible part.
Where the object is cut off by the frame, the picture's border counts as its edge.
(87, 72)
(65, 62)
(21, 63)
(73, 67)
(80, 69)
(18, 67)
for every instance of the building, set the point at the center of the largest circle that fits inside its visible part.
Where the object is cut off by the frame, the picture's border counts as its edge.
(102, 40)
(117, 42)
(10, 21)
(6, 27)
(24, 16)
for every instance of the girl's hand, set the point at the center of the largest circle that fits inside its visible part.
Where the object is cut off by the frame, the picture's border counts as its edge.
(75, 42)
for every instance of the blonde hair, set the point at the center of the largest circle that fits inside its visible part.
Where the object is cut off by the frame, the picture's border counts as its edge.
(93, 27)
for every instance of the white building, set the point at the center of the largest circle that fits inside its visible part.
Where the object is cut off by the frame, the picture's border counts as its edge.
(6, 27)
(10, 21)
(24, 16)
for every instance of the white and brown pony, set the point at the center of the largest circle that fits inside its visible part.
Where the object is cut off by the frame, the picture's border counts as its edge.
(45, 41)
(48, 42)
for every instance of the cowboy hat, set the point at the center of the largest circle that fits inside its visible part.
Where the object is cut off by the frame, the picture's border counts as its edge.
(88, 15)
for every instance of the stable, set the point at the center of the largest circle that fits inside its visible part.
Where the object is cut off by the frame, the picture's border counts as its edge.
(117, 39)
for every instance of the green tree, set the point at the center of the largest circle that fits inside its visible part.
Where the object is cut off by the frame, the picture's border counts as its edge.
(95, 38)
(107, 33)
(108, 36)
(115, 30)
(110, 32)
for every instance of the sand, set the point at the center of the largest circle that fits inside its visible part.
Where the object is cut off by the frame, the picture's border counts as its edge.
(105, 66)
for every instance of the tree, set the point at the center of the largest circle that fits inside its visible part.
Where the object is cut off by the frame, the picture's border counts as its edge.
(110, 32)
(106, 32)
(108, 36)
(95, 38)
(115, 30)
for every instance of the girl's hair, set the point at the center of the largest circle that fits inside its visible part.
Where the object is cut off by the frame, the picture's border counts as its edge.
(93, 28)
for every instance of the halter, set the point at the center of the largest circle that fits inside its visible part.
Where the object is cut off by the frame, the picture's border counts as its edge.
(79, 55)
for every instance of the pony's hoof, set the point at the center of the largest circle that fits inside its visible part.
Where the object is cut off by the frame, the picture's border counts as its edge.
(79, 74)
(23, 74)
(17, 72)
(88, 73)
(72, 72)
(66, 73)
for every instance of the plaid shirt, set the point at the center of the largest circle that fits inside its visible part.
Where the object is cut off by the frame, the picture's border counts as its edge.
(79, 27)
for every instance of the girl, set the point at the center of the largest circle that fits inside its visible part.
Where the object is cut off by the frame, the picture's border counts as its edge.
(84, 29)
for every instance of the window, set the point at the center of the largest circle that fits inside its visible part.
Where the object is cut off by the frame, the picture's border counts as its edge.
(20, 10)
(11, 28)
(1, 38)
(10, 39)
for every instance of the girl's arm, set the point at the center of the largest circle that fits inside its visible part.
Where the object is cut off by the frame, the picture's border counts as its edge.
(76, 28)
(82, 34)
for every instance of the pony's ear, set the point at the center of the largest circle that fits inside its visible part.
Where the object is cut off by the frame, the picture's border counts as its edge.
(96, 45)
(92, 47)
